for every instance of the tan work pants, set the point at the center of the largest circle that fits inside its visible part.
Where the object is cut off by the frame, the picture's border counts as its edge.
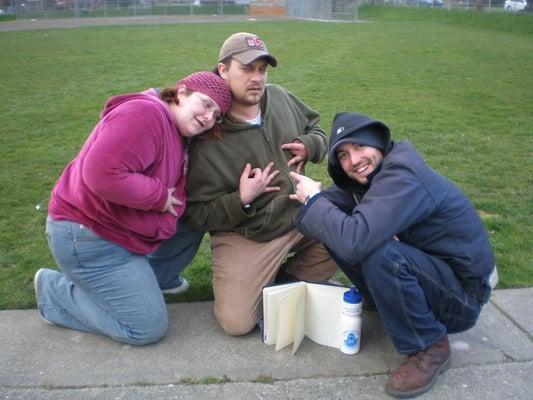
(242, 267)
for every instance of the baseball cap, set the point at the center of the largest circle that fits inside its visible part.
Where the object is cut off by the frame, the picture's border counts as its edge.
(245, 47)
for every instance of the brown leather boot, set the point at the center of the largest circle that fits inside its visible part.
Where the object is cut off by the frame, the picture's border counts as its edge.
(419, 371)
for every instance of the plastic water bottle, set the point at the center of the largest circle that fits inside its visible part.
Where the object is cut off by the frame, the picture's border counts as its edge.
(351, 322)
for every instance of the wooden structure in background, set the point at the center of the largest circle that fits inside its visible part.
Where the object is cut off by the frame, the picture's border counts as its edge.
(267, 7)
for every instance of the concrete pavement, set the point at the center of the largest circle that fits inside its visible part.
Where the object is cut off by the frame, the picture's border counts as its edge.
(196, 360)
(67, 23)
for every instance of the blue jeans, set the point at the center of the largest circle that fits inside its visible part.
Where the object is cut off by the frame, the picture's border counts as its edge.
(418, 296)
(174, 254)
(102, 287)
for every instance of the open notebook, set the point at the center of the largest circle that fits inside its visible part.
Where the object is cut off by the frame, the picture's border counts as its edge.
(294, 310)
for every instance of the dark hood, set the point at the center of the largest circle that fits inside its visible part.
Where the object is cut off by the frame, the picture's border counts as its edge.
(346, 126)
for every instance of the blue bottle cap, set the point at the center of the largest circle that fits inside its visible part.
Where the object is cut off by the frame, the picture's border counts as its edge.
(352, 296)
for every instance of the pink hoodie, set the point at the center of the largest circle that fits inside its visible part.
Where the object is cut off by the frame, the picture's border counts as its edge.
(117, 184)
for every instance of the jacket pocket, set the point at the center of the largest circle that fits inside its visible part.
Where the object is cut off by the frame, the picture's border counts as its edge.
(260, 223)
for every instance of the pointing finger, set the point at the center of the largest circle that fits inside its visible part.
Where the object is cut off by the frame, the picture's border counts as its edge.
(295, 176)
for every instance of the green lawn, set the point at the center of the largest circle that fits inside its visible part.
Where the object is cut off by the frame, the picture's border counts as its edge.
(457, 84)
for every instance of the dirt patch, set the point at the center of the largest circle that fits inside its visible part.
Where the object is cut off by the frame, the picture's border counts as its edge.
(67, 23)
(485, 215)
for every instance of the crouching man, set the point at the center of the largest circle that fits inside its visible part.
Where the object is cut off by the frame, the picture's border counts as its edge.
(407, 237)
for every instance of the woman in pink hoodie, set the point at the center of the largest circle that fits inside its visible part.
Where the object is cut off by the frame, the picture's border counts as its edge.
(116, 202)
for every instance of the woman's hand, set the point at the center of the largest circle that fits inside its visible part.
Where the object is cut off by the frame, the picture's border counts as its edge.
(171, 202)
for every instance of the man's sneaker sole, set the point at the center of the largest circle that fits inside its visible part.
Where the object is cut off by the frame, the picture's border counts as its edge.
(35, 280)
(178, 289)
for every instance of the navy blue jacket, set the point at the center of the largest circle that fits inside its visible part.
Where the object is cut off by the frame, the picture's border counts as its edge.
(406, 198)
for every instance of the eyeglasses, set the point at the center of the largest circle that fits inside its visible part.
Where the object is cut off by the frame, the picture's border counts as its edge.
(210, 106)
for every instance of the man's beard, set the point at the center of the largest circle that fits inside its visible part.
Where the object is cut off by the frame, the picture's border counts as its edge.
(251, 100)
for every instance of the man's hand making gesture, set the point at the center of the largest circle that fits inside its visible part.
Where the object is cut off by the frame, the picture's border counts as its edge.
(255, 181)
(299, 152)
(305, 187)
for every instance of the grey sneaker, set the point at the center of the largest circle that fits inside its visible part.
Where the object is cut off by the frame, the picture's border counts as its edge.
(181, 288)
(35, 281)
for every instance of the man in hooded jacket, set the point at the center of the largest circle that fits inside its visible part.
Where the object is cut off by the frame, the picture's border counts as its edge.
(407, 237)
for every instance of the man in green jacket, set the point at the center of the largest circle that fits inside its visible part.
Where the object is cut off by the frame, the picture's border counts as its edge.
(238, 186)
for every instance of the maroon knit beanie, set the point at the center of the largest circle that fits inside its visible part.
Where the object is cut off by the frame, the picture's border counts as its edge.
(211, 85)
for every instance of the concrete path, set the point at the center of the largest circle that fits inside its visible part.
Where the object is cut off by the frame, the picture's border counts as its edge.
(65, 23)
(197, 360)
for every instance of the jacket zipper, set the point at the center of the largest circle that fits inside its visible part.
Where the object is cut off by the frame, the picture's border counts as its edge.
(278, 161)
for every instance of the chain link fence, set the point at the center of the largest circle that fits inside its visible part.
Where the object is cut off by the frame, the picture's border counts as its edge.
(464, 4)
(322, 9)
(314, 9)
(29, 9)
(311, 9)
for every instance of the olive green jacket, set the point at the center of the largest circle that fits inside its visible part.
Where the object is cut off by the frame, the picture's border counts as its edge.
(215, 166)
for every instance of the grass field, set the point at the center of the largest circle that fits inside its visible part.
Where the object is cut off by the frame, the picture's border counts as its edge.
(459, 85)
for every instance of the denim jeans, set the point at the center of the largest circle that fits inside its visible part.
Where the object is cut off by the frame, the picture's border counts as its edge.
(102, 287)
(174, 254)
(418, 296)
